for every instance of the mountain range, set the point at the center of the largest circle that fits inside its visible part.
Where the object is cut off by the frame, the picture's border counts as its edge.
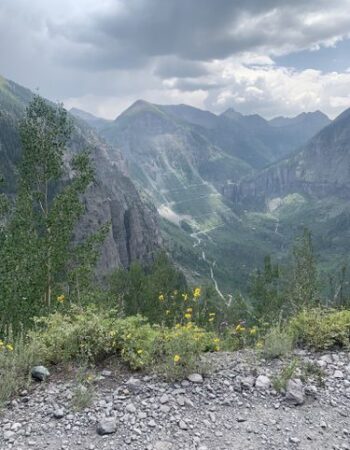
(219, 192)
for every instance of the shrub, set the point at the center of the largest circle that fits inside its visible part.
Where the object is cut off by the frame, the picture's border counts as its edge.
(89, 335)
(321, 328)
(280, 381)
(277, 342)
(178, 349)
(79, 334)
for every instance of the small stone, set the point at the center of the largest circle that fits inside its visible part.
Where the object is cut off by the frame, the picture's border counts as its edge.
(130, 408)
(164, 409)
(40, 373)
(58, 413)
(8, 435)
(338, 374)
(163, 445)
(183, 425)
(195, 378)
(295, 391)
(107, 426)
(294, 440)
(152, 423)
(263, 382)
(164, 399)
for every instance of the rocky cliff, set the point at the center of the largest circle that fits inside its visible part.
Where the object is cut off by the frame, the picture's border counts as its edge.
(321, 168)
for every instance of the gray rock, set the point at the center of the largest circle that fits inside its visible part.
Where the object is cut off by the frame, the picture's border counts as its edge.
(130, 408)
(263, 382)
(164, 399)
(195, 378)
(295, 391)
(107, 426)
(338, 374)
(163, 445)
(183, 425)
(40, 373)
(58, 413)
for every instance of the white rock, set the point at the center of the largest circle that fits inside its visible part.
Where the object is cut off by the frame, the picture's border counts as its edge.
(195, 378)
(263, 382)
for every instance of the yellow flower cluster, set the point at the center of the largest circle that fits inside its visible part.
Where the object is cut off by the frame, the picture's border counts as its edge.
(240, 328)
(161, 297)
(197, 293)
(3, 346)
(177, 358)
(61, 298)
(211, 317)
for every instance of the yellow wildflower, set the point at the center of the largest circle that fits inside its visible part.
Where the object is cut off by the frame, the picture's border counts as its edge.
(177, 358)
(185, 296)
(260, 344)
(217, 348)
(189, 310)
(112, 333)
(197, 293)
(128, 336)
(9, 347)
(167, 312)
(240, 328)
(253, 331)
(211, 314)
(161, 298)
(188, 316)
(211, 319)
(61, 298)
(177, 326)
(139, 352)
(216, 340)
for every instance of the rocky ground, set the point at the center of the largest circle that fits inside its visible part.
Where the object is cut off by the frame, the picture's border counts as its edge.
(235, 407)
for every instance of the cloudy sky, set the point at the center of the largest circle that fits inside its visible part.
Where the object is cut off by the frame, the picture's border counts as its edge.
(273, 57)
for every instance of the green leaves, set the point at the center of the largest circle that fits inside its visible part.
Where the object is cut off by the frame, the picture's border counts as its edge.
(38, 253)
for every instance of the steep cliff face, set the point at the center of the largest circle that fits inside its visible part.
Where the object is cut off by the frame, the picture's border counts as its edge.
(321, 168)
(113, 198)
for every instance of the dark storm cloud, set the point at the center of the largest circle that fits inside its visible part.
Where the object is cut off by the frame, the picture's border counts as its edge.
(170, 67)
(128, 33)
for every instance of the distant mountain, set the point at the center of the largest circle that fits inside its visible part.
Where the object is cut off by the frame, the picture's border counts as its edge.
(320, 168)
(113, 198)
(309, 189)
(181, 158)
(90, 119)
(281, 136)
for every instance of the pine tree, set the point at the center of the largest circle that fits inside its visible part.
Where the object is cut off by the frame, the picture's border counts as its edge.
(304, 290)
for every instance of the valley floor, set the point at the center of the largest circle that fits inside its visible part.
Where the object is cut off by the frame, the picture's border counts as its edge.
(233, 407)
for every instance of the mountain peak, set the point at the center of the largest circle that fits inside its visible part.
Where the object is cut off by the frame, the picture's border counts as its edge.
(140, 106)
(231, 113)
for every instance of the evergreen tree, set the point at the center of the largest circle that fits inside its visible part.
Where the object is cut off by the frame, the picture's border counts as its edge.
(304, 289)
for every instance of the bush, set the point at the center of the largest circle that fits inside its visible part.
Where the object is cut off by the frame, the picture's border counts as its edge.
(178, 349)
(79, 334)
(89, 335)
(321, 328)
(277, 342)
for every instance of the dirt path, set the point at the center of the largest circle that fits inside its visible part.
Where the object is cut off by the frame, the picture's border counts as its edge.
(233, 408)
